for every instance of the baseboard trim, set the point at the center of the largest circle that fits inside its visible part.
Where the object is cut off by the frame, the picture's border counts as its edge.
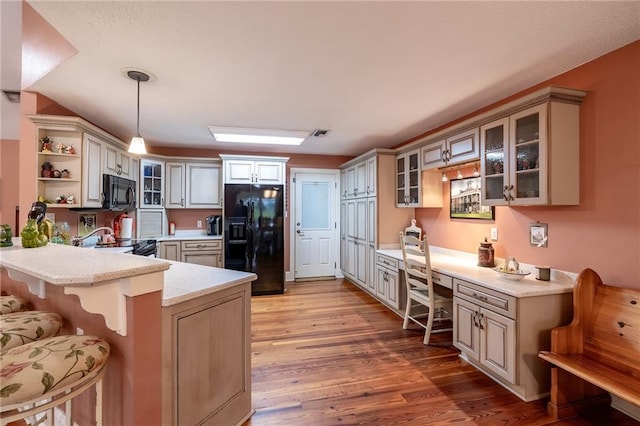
(625, 407)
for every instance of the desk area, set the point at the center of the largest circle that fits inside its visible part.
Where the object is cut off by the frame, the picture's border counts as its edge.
(499, 326)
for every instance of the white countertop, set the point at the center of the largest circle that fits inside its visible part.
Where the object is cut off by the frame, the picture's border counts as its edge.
(189, 234)
(186, 281)
(67, 265)
(464, 266)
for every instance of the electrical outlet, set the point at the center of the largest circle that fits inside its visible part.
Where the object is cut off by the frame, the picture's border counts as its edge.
(79, 331)
(199, 224)
(494, 234)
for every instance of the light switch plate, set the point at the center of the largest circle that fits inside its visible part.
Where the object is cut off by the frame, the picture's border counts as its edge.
(494, 234)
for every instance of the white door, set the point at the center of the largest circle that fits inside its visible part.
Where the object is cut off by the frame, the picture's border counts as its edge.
(315, 223)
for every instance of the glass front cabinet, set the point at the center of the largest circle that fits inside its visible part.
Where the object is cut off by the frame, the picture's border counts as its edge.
(517, 153)
(152, 188)
(408, 179)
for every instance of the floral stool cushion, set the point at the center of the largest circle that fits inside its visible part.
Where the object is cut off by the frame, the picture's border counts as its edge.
(9, 304)
(46, 366)
(19, 328)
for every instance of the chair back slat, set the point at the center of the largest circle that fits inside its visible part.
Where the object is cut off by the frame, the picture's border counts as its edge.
(417, 265)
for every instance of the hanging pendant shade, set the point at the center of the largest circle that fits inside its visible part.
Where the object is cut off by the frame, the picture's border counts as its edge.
(137, 146)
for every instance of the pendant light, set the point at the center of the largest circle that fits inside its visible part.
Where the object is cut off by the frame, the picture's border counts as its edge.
(459, 174)
(137, 143)
(476, 173)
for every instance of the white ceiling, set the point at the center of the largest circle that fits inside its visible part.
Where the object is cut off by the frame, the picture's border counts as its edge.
(374, 73)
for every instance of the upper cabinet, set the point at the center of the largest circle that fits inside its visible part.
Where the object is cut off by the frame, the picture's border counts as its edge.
(71, 157)
(458, 148)
(414, 187)
(360, 179)
(532, 157)
(193, 185)
(117, 162)
(151, 184)
(250, 169)
(254, 169)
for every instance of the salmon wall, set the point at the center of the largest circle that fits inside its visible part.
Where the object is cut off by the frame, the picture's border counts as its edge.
(9, 177)
(603, 232)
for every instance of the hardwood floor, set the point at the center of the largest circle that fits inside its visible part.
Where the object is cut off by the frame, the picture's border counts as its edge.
(326, 353)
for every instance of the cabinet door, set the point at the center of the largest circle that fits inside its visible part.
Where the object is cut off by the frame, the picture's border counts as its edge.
(170, 250)
(361, 219)
(401, 171)
(433, 155)
(352, 261)
(498, 345)
(351, 182)
(116, 162)
(238, 171)
(413, 178)
(466, 333)
(269, 172)
(372, 176)
(392, 289)
(527, 156)
(371, 241)
(152, 184)
(494, 142)
(203, 186)
(126, 165)
(220, 369)
(92, 172)
(361, 267)
(175, 187)
(343, 183)
(463, 146)
(361, 179)
(381, 282)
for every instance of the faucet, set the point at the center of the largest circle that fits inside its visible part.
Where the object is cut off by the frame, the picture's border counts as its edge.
(77, 241)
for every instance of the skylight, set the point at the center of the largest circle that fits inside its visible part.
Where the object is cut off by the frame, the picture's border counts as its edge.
(258, 136)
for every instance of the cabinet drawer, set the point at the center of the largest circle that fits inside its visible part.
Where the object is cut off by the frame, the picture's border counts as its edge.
(201, 245)
(441, 279)
(389, 262)
(494, 300)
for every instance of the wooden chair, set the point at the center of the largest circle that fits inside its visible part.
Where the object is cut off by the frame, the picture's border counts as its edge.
(422, 300)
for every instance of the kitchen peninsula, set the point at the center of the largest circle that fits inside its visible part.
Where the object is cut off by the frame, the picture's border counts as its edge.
(144, 306)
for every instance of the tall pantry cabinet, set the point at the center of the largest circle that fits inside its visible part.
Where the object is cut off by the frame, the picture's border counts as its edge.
(368, 219)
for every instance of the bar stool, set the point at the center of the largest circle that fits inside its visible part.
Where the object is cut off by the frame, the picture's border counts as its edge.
(19, 328)
(38, 376)
(9, 304)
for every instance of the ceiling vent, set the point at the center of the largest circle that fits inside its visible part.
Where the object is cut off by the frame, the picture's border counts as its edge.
(320, 133)
(12, 96)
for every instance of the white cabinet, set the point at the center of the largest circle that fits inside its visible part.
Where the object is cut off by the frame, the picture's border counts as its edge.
(387, 281)
(532, 157)
(360, 233)
(117, 162)
(486, 337)
(152, 183)
(249, 169)
(455, 149)
(170, 250)
(175, 187)
(202, 252)
(203, 185)
(414, 187)
(92, 195)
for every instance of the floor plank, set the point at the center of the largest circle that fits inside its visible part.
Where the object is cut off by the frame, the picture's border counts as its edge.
(326, 353)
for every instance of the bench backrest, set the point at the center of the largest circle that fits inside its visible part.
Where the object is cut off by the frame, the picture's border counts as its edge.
(611, 326)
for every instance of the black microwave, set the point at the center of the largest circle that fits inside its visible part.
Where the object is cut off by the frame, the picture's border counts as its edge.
(119, 193)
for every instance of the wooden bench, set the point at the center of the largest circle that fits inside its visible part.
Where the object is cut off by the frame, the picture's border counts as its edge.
(598, 354)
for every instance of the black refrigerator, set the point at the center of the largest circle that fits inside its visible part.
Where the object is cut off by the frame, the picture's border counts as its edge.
(253, 234)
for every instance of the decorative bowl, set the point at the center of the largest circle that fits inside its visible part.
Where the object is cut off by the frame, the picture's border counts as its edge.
(512, 275)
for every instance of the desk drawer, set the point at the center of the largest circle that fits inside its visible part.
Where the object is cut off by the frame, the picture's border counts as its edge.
(494, 300)
(389, 262)
(441, 279)
(201, 245)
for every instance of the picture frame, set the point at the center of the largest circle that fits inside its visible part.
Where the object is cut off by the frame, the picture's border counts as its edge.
(538, 234)
(465, 196)
(86, 223)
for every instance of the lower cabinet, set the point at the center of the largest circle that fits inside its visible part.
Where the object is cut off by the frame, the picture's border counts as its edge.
(206, 359)
(202, 252)
(387, 281)
(170, 250)
(501, 335)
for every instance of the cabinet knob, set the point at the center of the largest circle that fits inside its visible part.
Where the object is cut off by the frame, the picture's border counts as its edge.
(182, 202)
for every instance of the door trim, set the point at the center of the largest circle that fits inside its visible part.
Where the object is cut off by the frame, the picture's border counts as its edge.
(290, 274)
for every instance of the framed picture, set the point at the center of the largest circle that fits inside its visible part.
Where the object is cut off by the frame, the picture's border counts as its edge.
(86, 223)
(538, 234)
(465, 200)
